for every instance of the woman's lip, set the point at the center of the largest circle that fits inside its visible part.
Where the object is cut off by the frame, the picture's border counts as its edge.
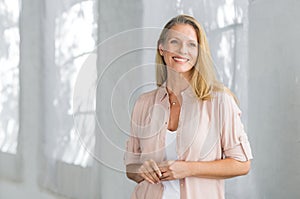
(180, 59)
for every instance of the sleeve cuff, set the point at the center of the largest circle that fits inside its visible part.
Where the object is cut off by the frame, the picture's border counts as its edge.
(131, 158)
(241, 152)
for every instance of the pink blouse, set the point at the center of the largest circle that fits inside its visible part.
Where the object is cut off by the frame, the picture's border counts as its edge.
(207, 130)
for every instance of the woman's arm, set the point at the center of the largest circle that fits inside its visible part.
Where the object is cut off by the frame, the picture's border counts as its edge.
(218, 169)
(132, 172)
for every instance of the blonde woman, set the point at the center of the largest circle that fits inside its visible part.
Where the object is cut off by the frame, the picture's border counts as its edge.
(187, 135)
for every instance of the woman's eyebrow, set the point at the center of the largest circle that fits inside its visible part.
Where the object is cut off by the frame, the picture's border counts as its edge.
(174, 37)
(193, 40)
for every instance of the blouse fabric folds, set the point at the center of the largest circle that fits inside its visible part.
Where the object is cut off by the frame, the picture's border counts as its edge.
(207, 130)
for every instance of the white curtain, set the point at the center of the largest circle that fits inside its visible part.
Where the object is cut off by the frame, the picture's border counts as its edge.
(9, 88)
(70, 38)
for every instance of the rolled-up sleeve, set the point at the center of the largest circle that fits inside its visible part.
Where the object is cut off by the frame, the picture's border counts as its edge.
(133, 151)
(234, 139)
(132, 154)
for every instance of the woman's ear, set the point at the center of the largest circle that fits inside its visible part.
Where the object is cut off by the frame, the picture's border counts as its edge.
(161, 51)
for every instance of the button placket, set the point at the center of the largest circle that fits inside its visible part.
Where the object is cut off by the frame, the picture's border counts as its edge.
(178, 137)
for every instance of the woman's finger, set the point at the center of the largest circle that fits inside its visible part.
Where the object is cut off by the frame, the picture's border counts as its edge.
(164, 166)
(155, 168)
(144, 174)
(163, 169)
(151, 173)
(146, 178)
(166, 176)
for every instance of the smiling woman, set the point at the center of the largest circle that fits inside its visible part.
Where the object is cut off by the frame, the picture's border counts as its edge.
(180, 50)
(210, 142)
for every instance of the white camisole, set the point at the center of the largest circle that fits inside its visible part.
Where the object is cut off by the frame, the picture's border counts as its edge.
(171, 187)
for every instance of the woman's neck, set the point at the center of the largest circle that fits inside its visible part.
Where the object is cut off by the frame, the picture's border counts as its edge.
(176, 82)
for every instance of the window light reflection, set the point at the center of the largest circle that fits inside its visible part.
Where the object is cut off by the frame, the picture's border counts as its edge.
(75, 37)
(9, 75)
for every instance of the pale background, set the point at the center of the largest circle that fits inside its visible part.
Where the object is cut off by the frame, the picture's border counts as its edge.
(47, 163)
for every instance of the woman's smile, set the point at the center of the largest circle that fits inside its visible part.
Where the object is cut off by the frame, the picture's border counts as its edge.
(180, 59)
(180, 50)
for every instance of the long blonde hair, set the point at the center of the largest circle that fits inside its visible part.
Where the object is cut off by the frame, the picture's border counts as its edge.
(203, 79)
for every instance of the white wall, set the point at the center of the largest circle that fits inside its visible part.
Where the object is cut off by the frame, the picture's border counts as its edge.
(26, 185)
(274, 100)
(114, 69)
(274, 97)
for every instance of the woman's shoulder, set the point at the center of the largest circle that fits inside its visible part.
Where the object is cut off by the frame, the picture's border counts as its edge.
(224, 95)
(144, 102)
(148, 94)
(148, 97)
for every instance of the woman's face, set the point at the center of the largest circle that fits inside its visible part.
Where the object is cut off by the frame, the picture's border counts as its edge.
(180, 50)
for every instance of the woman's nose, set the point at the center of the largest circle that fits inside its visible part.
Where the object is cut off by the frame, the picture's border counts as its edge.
(183, 49)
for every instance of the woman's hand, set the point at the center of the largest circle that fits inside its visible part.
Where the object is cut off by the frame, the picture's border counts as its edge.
(172, 170)
(150, 171)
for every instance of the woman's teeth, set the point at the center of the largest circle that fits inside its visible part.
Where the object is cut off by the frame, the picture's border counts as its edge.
(180, 59)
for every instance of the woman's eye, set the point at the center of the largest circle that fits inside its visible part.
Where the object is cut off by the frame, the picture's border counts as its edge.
(173, 41)
(193, 45)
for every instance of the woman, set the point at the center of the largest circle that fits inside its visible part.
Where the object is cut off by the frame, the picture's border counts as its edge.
(186, 136)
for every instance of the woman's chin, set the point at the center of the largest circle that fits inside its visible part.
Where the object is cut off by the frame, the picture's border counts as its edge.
(181, 69)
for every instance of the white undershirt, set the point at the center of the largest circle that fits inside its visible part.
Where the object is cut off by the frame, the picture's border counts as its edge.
(171, 187)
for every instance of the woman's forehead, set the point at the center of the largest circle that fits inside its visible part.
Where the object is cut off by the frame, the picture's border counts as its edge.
(182, 31)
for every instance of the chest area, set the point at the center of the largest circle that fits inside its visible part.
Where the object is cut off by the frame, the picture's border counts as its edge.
(194, 133)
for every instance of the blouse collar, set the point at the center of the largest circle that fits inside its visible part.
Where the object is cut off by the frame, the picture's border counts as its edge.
(163, 93)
